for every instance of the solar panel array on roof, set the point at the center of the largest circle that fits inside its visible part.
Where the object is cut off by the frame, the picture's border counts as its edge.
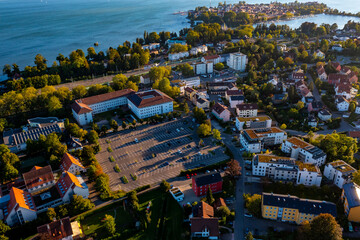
(34, 134)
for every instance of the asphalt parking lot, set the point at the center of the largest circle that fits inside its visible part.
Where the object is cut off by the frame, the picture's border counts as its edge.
(155, 152)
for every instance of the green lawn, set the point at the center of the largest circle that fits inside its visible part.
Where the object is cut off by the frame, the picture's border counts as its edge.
(166, 222)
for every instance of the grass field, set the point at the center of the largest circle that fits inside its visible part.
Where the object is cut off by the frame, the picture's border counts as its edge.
(166, 219)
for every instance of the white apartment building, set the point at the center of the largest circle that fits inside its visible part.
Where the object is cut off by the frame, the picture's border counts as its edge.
(254, 140)
(149, 103)
(342, 104)
(199, 49)
(286, 169)
(253, 122)
(69, 185)
(84, 109)
(237, 61)
(203, 68)
(247, 110)
(177, 56)
(236, 100)
(304, 151)
(339, 172)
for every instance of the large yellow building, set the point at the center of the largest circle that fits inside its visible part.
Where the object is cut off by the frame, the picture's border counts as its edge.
(289, 208)
(351, 197)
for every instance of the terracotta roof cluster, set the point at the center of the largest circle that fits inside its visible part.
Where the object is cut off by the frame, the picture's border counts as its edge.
(59, 229)
(149, 98)
(68, 160)
(38, 176)
(20, 198)
(82, 105)
(218, 108)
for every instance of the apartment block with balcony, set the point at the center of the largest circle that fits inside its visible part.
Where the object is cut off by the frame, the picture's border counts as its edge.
(339, 173)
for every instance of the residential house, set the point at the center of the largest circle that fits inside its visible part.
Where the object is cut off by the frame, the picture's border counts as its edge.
(345, 89)
(221, 86)
(336, 66)
(312, 122)
(145, 79)
(171, 42)
(202, 103)
(221, 112)
(342, 104)
(84, 109)
(298, 75)
(177, 56)
(236, 100)
(321, 73)
(255, 140)
(199, 49)
(39, 179)
(324, 115)
(253, 122)
(351, 198)
(315, 106)
(286, 169)
(319, 54)
(150, 103)
(151, 46)
(247, 110)
(213, 58)
(339, 173)
(205, 228)
(337, 48)
(202, 183)
(40, 122)
(303, 151)
(190, 93)
(288, 208)
(57, 229)
(229, 93)
(237, 61)
(71, 164)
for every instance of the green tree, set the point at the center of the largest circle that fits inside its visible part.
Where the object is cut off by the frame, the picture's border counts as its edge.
(92, 137)
(114, 125)
(322, 227)
(249, 236)
(186, 70)
(300, 105)
(3, 124)
(283, 126)
(216, 134)
(40, 62)
(51, 214)
(356, 177)
(304, 67)
(54, 104)
(204, 130)
(253, 204)
(186, 109)
(223, 212)
(123, 125)
(219, 66)
(209, 197)
(3, 227)
(199, 115)
(109, 223)
(165, 186)
(79, 91)
(79, 205)
(154, 37)
(352, 106)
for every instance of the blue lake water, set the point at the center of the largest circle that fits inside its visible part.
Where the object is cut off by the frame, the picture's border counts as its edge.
(50, 27)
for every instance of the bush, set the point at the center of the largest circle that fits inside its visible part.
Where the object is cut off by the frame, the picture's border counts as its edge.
(124, 179)
(117, 169)
(142, 188)
(112, 159)
(109, 149)
(133, 176)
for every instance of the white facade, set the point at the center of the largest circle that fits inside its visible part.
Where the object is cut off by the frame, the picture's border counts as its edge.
(199, 49)
(303, 151)
(339, 172)
(254, 140)
(191, 82)
(253, 122)
(325, 115)
(21, 215)
(203, 68)
(235, 100)
(347, 94)
(342, 105)
(84, 118)
(286, 169)
(150, 111)
(237, 61)
(177, 56)
(247, 111)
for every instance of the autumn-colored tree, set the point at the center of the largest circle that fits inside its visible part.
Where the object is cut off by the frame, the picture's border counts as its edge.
(233, 168)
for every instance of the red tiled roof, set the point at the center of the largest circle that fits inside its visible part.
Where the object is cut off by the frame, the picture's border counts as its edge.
(68, 160)
(81, 108)
(204, 210)
(218, 108)
(207, 58)
(105, 97)
(354, 134)
(209, 224)
(149, 98)
(21, 199)
(67, 181)
(220, 202)
(57, 230)
(234, 92)
(320, 70)
(38, 176)
(336, 77)
(336, 65)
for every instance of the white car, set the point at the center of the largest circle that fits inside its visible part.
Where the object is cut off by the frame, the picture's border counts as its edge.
(136, 140)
